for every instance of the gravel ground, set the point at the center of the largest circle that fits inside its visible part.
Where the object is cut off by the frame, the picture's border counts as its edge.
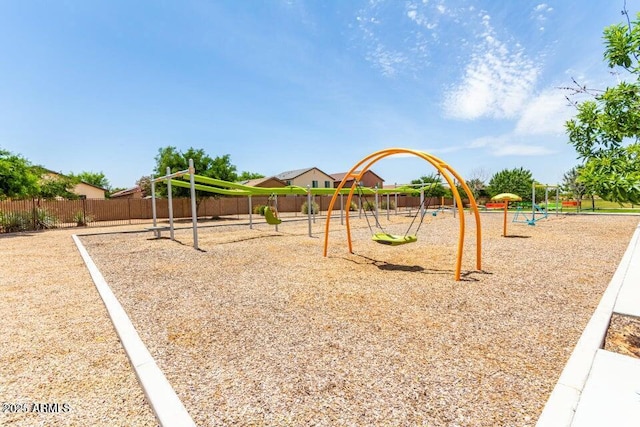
(258, 328)
(58, 346)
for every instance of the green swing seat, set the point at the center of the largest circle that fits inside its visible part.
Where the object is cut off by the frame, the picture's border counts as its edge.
(270, 216)
(393, 239)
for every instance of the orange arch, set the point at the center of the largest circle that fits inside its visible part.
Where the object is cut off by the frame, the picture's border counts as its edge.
(447, 172)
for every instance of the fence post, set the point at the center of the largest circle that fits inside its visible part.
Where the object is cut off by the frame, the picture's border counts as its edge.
(84, 209)
(129, 209)
(34, 214)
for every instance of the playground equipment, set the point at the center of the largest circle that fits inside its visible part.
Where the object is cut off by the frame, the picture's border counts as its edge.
(271, 211)
(169, 179)
(392, 239)
(506, 198)
(542, 212)
(188, 179)
(447, 172)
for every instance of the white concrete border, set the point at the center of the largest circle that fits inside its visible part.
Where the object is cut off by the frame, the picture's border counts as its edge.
(166, 405)
(562, 403)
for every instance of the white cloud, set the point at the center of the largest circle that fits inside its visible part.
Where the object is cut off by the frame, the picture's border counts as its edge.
(540, 13)
(545, 113)
(496, 83)
(510, 145)
(388, 61)
(521, 150)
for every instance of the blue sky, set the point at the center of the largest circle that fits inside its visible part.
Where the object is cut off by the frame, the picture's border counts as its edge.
(280, 85)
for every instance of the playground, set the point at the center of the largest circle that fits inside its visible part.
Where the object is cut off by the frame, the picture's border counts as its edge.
(256, 327)
(323, 320)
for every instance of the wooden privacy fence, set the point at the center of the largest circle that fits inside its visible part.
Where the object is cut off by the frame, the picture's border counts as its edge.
(25, 215)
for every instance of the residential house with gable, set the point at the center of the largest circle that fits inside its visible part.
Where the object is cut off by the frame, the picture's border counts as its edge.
(82, 189)
(369, 179)
(267, 182)
(312, 177)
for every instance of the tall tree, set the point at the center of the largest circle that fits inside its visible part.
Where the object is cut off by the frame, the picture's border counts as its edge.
(219, 167)
(17, 176)
(574, 186)
(51, 187)
(517, 181)
(606, 128)
(246, 176)
(432, 185)
(145, 185)
(94, 178)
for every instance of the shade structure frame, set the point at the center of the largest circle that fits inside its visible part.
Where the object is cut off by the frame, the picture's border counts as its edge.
(447, 172)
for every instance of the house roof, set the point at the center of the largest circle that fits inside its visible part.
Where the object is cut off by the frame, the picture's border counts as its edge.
(81, 182)
(256, 182)
(126, 192)
(340, 175)
(288, 175)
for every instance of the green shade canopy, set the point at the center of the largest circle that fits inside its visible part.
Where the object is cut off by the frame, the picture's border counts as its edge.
(507, 196)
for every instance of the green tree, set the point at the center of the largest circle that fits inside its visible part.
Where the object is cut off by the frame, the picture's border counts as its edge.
(219, 167)
(432, 185)
(477, 187)
(51, 187)
(246, 176)
(605, 130)
(477, 182)
(573, 186)
(17, 176)
(94, 178)
(517, 181)
(145, 185)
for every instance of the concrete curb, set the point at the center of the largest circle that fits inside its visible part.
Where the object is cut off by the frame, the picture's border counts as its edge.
(166, 405)
(563, 401)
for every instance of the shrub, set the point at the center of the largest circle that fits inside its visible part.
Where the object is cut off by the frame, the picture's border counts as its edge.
(353, 207)
(15, 221)
(82, 219)
(315, 208)
(383, 205)
(369, 206)
(40, 219)
(44, 219)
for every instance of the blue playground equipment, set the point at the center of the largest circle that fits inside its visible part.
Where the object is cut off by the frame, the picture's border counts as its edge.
(537, 212)
(521, 216)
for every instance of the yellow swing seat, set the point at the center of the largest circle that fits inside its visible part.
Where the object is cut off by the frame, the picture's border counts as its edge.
(393, 239)
(271, 217)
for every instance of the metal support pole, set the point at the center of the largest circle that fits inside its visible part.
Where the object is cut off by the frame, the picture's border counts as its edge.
(194, 213)
(341, 209)
(309, 208)
(250, 214)
(387, 206)
(275, 206)
(313, 211)
(421, 203)
(170, 204)
(533, 202)
(396, 197)
(375, 189)
(153, 201)
(546, 198)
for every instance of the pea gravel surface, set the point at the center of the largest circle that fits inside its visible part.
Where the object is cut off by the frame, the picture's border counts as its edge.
(257, 328)
(61, 363)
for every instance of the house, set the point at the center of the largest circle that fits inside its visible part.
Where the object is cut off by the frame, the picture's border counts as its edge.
(270, 182)
(82, 189)
(312, 177)
(369, 179)
(129, 193)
